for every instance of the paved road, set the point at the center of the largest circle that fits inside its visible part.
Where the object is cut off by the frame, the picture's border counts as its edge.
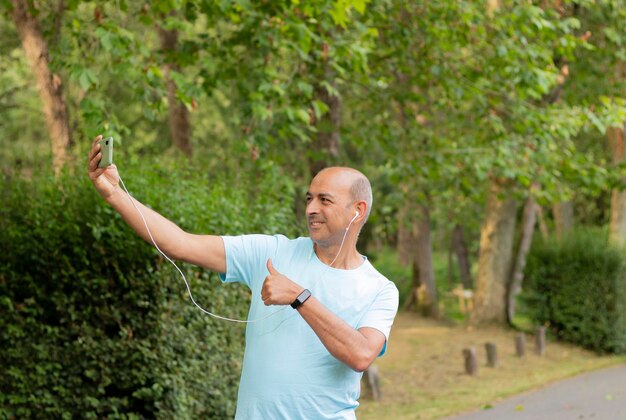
(597, 395)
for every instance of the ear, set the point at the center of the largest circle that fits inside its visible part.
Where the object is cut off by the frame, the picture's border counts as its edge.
(361, 209)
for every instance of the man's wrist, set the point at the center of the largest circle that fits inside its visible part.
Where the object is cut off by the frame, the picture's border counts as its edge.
(116, 194)
(299, 289)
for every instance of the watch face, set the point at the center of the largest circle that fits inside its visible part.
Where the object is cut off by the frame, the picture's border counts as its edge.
(302, 297)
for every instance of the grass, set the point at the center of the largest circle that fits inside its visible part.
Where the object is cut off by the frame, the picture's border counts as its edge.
(422, 374)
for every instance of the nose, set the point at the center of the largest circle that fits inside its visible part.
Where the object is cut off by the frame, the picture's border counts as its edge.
(312, 208)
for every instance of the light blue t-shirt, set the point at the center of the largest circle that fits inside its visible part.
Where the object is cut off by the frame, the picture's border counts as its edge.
(287, 372)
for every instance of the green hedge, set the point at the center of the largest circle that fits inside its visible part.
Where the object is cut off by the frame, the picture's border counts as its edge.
(94, 323)
(578, 288)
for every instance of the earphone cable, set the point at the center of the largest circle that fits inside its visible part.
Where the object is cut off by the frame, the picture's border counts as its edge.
(187, 283)
(183, 275)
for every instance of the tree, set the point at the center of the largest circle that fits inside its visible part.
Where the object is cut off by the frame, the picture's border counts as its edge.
(598, 80)
(524, 129)
(178, 115)
(617, 227)
(496, 254)
(529, 218)
(460, 249)
(49, 84)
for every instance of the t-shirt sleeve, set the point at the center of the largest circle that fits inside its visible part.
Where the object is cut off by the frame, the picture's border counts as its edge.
(382, 312)
(246, 258)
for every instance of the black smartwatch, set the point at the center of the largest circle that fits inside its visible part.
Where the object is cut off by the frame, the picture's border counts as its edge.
(302, 297)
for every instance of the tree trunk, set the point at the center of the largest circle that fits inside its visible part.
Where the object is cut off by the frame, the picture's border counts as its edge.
(617, 227)
(450, 264)
(328, 127)
(48, 84)
(563, 218)
(413, 298)
(406, 234)
(496, 251)
(517, 277)
(543, 228)
(178, 114)
(462, 256)
(424, 293)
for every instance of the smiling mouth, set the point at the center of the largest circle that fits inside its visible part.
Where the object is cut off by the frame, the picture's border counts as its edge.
(315, 224)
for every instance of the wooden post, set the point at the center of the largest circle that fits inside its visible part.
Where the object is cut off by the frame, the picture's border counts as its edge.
(540, 340)
(492, 355)
(372, 379)
(471, 366)
(520, 345)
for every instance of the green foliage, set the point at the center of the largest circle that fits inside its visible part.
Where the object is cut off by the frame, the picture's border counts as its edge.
(577, 287)
(436, 98)
(94, 323)
(276, 60)
(386, 261)
(22, 126)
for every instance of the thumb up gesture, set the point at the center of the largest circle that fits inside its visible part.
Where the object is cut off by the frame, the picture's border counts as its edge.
(278, 289)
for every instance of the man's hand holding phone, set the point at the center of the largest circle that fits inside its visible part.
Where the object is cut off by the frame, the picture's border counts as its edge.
(106, 178)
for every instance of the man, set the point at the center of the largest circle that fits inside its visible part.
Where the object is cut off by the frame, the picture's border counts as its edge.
(306, 362)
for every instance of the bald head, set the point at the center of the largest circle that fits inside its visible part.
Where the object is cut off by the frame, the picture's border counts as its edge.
(357, 184)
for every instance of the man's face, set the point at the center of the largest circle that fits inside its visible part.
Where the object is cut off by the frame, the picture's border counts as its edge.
(328, 208)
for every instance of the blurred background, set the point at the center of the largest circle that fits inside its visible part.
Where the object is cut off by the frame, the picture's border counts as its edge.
(492, 132)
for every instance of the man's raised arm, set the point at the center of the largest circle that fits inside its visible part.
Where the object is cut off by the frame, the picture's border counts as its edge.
(204, 250)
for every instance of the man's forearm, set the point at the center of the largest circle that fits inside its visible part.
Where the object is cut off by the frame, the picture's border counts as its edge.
(342, 341)
(166, 234)
(355, 348)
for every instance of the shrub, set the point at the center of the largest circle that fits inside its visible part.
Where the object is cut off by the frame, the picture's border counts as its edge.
(94, 323)
(578, 288)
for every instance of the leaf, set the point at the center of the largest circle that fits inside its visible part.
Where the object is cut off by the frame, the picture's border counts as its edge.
(155, 72)
(359, 5)
(612, 35)
(83, 79)
(320, 108)
(87, 78)
(305, 88)
(329, 88)
(106, 38)
(600, 126)
(303, 116)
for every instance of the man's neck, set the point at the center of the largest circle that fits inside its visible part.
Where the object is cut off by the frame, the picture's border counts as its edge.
(348, 258)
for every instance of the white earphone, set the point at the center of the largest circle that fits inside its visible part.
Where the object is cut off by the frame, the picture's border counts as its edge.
(353, 219)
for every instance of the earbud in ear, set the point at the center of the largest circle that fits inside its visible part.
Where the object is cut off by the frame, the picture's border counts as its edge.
(357, 214)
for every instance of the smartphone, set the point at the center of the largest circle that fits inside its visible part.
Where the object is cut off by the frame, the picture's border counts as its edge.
(106, 148)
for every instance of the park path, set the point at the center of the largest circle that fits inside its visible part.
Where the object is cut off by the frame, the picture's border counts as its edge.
(599, 395)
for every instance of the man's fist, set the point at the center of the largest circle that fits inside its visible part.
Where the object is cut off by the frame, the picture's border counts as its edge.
(106, 180)
(278, 289)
